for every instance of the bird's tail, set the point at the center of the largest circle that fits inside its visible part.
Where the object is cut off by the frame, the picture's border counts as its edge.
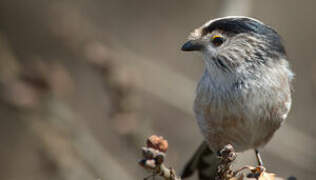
(204, 161)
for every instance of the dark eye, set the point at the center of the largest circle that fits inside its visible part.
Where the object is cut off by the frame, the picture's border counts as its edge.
(217, 40)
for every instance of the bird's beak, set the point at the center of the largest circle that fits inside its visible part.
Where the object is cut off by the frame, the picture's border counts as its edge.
(192, 45)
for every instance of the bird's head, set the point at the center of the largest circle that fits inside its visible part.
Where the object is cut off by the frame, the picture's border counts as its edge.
(229, 42)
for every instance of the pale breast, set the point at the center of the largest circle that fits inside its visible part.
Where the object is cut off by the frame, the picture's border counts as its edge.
(245, 120)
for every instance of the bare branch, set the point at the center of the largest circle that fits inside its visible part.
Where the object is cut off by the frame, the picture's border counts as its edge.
(154, 155)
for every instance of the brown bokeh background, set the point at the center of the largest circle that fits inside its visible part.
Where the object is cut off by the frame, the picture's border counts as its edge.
(83, 83)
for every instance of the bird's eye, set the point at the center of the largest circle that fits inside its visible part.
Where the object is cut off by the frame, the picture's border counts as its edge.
(217, 40)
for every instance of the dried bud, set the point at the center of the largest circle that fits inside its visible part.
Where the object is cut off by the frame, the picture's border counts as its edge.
(147, 154)
(258, 169)
(158, 143)
(151, 164)
(159, 159)
(228, 153)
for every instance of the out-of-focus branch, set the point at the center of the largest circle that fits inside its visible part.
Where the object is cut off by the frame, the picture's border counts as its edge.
(66, 142)
(76, 153)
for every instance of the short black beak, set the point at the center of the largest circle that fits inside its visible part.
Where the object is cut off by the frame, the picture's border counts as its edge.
(192, 45)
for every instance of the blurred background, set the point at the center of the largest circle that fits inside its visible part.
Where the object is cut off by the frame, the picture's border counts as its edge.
(83, 83)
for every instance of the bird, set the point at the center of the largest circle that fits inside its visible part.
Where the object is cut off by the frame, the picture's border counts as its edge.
(244, 93)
